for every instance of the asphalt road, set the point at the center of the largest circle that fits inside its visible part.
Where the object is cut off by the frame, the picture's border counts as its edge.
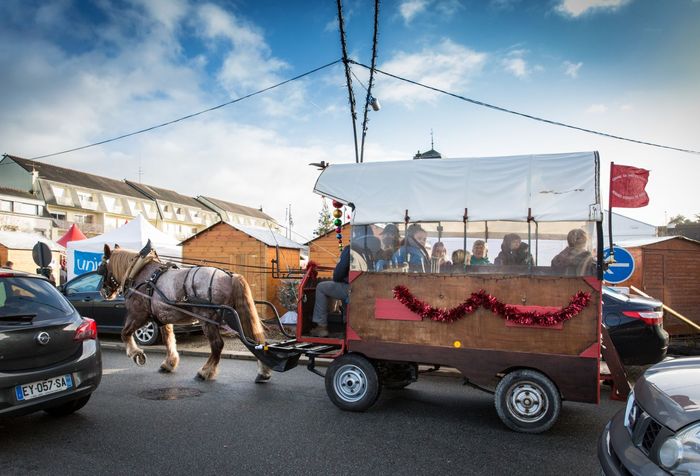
(289, 426)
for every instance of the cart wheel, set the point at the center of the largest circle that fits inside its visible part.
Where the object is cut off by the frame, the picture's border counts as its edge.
(527, 401)
(352, 383)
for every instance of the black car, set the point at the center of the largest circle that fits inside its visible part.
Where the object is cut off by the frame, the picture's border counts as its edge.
(659, 430)
(49, 356)
(84, 293)
(636, 327)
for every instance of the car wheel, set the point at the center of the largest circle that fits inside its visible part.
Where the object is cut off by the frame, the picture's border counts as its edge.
(68, 407)
(527, 401)
(147, 334)
(352, 383)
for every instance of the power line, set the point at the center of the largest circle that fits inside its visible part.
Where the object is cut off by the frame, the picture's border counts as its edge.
(348, 79)
(189, 116)
(371, 79)
(528, 116)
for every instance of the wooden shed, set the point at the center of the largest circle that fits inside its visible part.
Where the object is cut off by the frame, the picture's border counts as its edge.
(17, 247)
(324, 251)
(668, 268)
(245, 250)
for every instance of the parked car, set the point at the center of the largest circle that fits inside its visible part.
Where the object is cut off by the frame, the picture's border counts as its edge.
(49, 357)
(636, 327)
(84, 293)
(659, 430)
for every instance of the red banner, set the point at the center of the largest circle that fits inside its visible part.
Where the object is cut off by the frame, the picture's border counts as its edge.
(627, 186)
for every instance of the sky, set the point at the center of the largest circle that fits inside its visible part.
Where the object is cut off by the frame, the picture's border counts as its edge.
(77, 72)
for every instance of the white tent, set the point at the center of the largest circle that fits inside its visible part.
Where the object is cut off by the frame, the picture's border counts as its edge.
(85, 255)
(552, 187)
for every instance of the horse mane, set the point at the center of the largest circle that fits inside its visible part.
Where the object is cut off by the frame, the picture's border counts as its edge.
(120, 260)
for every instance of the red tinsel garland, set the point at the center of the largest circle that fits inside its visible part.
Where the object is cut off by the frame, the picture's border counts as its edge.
(481, 298)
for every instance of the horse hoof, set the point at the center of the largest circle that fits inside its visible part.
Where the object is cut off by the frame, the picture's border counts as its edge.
(199, 377)
(164, 370)
(262, 378)
(139, 359)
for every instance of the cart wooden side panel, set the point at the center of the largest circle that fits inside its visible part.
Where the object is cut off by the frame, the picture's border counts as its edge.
(481, 344)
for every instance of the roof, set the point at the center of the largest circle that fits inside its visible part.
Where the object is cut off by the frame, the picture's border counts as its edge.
(164, 194)
(18, 193)
(265, 236)
(652, 241)
(431, 154)
(332, 230)
(546, 188)
(239, 209)
(74, 177)
(17, 240)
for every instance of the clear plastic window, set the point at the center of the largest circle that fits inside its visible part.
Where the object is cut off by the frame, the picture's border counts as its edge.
(561, 248)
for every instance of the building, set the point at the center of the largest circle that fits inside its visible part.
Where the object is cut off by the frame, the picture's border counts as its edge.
(324, 250)
(23, 211)
(96, 204)
(248, 251)
(240, 214)
(667, 268)
(625, 229)
(177, 215)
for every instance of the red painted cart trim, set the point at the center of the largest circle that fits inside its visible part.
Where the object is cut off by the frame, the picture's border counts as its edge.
(393, 310)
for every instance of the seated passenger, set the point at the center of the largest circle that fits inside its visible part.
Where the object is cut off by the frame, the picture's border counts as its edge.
(389, 243)
(460, 258)
(368, 248)
(412, 251)
(480, 253)
(513, 251)
(438, 263)
(575, 259)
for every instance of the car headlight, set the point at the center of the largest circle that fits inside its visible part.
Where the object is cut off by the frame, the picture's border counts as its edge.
(630, 413)
(680, 454)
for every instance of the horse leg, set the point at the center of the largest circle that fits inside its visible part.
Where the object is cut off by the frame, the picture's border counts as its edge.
(172, 359)
(264, 373)
(211, 366)
(133, 351)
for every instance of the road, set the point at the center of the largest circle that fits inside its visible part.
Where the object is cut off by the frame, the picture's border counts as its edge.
(289, 426)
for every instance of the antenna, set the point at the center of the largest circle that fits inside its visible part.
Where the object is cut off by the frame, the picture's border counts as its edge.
(431, 139)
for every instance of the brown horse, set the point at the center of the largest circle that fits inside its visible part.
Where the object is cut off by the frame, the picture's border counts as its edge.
(130, 270)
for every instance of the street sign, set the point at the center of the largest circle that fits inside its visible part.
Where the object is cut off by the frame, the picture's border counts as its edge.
(41, 254)
(623, 267)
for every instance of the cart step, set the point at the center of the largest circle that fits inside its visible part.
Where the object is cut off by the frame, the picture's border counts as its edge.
(303, 347)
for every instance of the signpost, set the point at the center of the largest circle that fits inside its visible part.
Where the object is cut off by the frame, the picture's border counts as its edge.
(41, 254)
(623, 267)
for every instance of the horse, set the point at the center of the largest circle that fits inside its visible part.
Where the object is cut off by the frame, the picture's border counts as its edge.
(134, 272)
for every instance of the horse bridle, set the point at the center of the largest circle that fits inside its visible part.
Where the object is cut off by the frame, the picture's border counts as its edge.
(109, 282)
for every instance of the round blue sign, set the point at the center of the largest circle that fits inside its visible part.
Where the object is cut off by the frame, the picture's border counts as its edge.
(623, 267)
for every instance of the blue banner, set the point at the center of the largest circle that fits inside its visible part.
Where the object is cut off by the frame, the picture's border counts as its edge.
(84, 262)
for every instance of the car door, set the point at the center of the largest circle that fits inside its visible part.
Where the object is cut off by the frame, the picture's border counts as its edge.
(81, 292)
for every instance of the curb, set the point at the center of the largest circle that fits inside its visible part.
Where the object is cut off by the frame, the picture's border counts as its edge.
(241, 355)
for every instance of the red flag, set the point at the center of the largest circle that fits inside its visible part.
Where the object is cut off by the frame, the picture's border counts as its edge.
(627, 186)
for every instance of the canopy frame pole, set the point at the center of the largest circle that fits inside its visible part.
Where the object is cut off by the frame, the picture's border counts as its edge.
(530, 219)
(465, 219)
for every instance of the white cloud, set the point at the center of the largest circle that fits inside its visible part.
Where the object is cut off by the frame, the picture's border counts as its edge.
(597, 109)
(515, 64)
(571, 69)
(448, 65)
(576, 8)
(410, 8)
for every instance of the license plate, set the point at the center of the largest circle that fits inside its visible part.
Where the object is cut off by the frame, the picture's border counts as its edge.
(43, 387)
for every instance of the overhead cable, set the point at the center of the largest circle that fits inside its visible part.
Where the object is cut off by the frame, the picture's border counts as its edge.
(373, 64)
(348, 79)
(529, 116)
(189, 116)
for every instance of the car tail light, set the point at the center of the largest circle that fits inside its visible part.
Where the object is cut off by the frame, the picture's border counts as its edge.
(651, 318)
(86, 330)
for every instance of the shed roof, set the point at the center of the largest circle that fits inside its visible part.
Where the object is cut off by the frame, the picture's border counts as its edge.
(265, 236)
(17, 240)
(652, 241)
(77, 178)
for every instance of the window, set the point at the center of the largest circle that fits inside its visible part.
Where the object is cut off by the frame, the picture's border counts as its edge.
(31, 296)
(85, 197)
(58, 216)
(26, 208)
(478, 248)
(85, 219)
(59, 192)
(5, 205)
(166, 208)
(89, 283)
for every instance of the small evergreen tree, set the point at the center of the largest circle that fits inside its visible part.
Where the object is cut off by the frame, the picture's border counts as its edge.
(325, 221)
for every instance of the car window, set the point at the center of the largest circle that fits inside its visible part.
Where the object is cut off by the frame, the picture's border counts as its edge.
(89, 283)
(31, 296)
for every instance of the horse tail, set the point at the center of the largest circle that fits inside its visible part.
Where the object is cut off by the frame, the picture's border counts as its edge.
(244, 304)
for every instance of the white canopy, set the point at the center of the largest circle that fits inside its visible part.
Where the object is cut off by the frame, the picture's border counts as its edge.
(85, 255)
(554, 187)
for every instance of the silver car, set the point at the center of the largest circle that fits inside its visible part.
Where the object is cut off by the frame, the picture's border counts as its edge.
(659, 430)
(49, 356)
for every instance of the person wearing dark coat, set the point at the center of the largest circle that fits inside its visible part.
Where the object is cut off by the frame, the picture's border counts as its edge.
(336, 289)
(513, 251)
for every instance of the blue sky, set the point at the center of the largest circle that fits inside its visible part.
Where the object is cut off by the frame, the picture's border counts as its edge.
(75, 72)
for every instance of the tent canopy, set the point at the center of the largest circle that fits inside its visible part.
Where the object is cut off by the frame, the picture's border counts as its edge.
(84, 256)
(73, 234)
(552, 187)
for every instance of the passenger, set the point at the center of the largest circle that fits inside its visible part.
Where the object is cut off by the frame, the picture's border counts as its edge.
(513, 251)
(412, 250)
(390, 244)
(480, 253)
(438, 263)
(337, 289)
(575, 259)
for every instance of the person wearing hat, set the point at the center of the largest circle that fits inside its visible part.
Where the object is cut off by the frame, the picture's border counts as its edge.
(575, 259)
(390, 243)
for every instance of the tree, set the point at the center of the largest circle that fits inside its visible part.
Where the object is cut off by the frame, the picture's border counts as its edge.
(325, 221)
(682, 220)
